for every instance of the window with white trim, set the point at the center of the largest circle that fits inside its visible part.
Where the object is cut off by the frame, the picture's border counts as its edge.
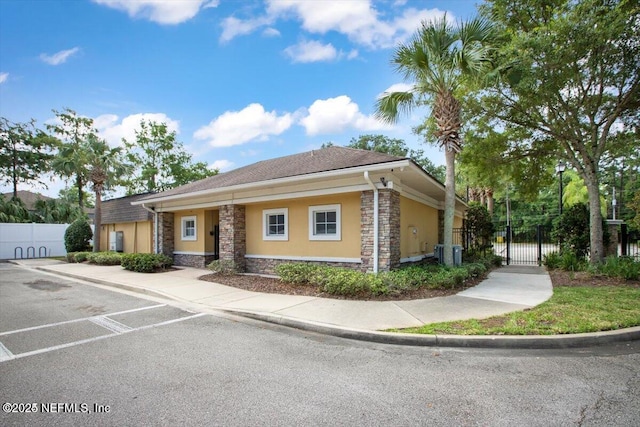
(275, 224)
(324, 222)
(189, 228)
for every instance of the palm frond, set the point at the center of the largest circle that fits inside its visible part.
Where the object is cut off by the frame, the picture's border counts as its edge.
(391, 104)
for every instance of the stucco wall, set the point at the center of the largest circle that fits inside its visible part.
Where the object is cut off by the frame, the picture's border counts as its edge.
(422, 218)
(202, 233)
(137, 236)
(298, 243)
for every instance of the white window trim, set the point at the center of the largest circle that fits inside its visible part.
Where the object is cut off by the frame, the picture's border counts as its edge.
(265, 224)
(313, 210)
(183, 220)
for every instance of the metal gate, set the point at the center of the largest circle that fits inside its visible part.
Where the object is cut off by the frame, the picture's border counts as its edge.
(524, 245)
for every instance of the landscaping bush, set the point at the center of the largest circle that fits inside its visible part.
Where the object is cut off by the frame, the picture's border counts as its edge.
(105, 258)
(551, 260)
(344, 281)
(225, 267)
(77, 256)
(297, 272)
(623, 267)
(77, 236)
(146, 263)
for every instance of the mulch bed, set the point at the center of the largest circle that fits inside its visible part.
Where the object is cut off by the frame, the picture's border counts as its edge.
(581, 278)
(272, 285)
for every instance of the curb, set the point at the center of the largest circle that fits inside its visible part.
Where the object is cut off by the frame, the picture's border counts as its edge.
(528, 342)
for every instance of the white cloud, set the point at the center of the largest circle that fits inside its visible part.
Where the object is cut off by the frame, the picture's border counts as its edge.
(252, 123)
(335, 115)
(4, 77)
(169, 12)
(271, 32)
(221, 165)
(232, 27)
(113, 131)
(311, 51)
(358, 20)
(59, 57)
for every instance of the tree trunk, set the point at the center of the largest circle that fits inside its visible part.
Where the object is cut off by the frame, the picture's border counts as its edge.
(80, 198)
(596, 246)
(449, 205)
(97, 222)
(490, 204)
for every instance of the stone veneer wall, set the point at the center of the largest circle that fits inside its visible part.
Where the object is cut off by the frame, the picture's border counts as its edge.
(233, 235)
(197, 261)
(268, 266)
(166, 234)
(366, 230)
(389, 240)
(389, 229)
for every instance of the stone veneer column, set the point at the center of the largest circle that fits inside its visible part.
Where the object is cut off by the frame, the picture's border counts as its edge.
(389, 221)
(366, 230)
(389, 229)
(233, 235)
(166, 233)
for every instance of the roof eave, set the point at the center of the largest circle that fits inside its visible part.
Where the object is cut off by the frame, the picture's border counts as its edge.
(278, 181)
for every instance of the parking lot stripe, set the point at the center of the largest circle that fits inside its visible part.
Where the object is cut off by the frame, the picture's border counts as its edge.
(33, 328)
(101, 337)
(5, 354)
(110, 324)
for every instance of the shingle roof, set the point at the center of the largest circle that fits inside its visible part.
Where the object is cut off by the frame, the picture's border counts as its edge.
(120, 210)
(323, 160)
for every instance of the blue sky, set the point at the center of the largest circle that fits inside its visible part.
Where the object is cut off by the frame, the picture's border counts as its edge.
(239, 81)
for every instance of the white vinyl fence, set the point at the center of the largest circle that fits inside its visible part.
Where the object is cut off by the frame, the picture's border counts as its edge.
(31, 240)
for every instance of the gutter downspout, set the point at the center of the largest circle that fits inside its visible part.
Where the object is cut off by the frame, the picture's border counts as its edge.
(376, 213)
(155, 227)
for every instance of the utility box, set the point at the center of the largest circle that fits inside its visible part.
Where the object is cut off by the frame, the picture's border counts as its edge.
(438, 252)
(116, 241)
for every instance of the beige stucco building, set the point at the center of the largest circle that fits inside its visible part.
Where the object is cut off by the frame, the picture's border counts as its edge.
(340, 206)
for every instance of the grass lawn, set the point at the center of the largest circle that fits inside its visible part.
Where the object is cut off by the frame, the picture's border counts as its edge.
(571, 309)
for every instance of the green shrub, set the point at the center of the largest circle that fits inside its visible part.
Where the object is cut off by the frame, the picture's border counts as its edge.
(551, 260)
(475, 269)
(570, 261)
(81, 256)
(146, 263)
(623, 267)
(224, 267)
(77, 236)
(105, 258)
(297, 272)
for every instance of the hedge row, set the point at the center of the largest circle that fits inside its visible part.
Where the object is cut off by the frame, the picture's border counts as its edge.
(141, 263)
(343, 281)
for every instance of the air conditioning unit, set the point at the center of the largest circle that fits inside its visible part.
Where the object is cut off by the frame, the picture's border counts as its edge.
(116, 241)
(438, 252)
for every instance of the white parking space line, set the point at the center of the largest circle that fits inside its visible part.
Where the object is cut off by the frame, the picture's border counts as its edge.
(33, 328)
(88, 340)
(5, 354)
(110, 324)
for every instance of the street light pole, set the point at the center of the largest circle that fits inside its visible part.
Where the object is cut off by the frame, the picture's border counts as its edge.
(560, 168)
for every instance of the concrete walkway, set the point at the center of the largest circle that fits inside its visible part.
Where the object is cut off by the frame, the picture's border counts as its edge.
(505, 290)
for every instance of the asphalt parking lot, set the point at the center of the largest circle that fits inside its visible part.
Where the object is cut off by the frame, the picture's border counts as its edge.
(40, 314)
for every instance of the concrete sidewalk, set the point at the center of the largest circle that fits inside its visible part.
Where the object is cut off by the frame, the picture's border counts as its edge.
(505, 290)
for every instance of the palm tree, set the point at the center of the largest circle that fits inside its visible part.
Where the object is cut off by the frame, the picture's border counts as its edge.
(106, 167)
(440, 60)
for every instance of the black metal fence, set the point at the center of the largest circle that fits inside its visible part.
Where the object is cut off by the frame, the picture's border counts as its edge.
(516, 245)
